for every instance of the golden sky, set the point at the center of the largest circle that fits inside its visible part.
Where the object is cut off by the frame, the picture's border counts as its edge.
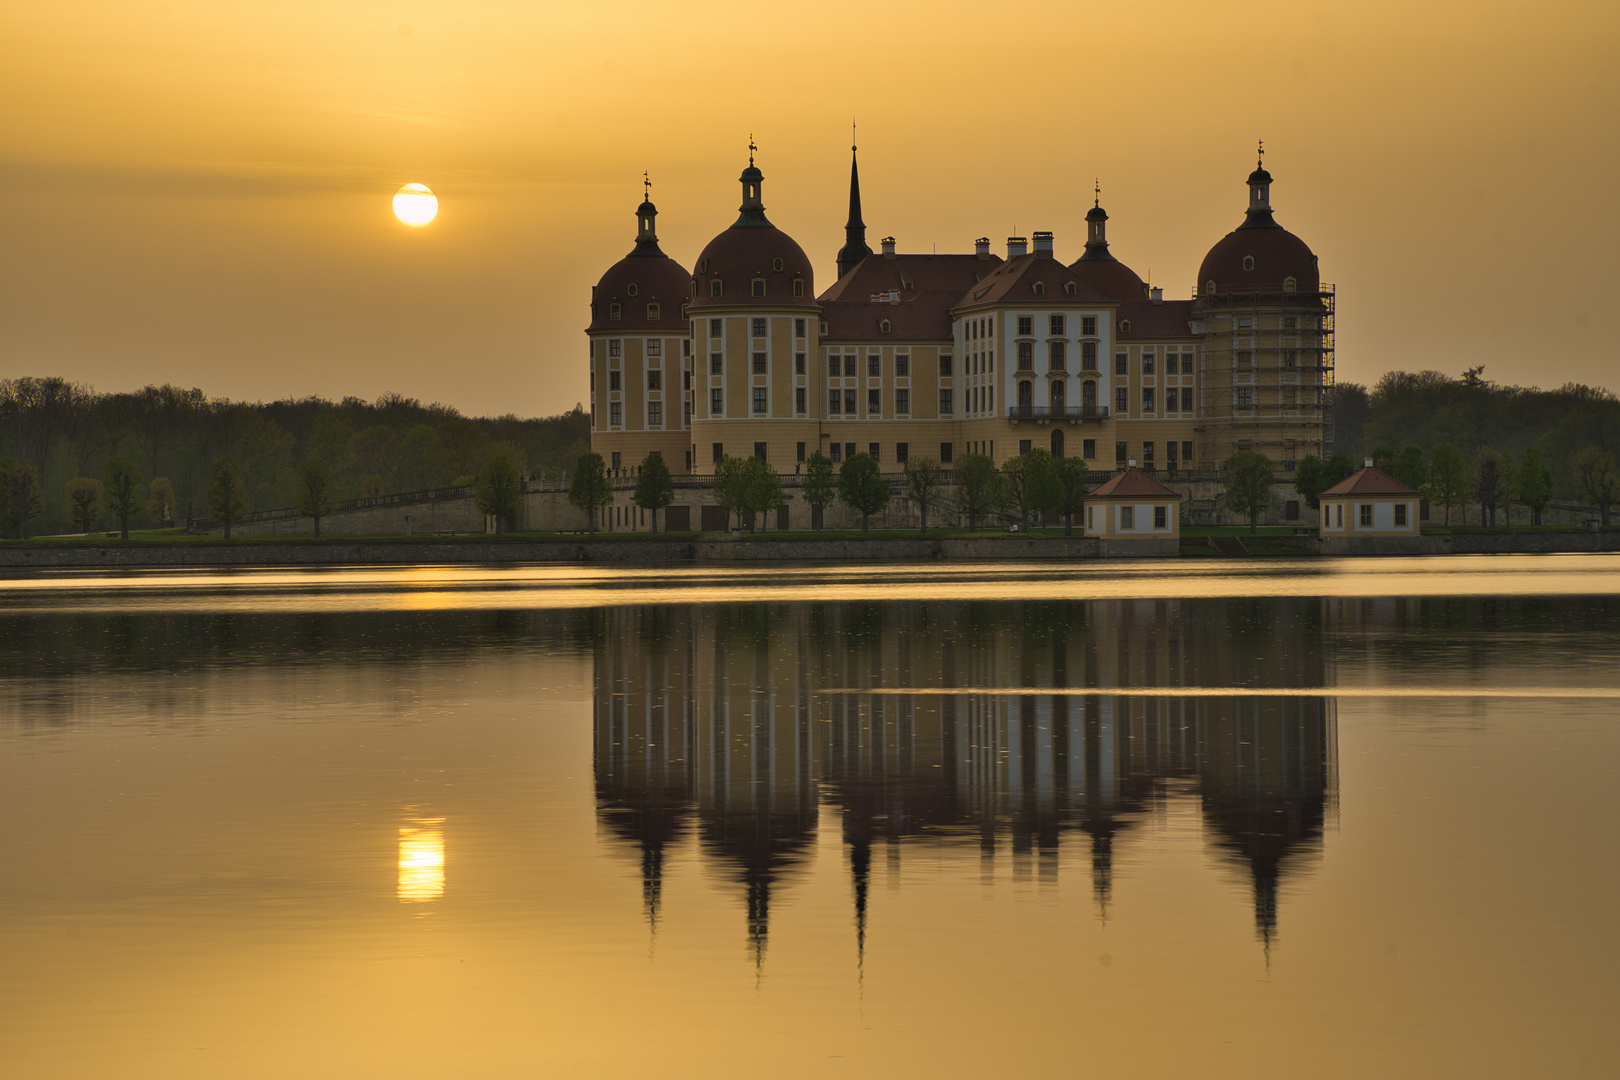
(199, 192)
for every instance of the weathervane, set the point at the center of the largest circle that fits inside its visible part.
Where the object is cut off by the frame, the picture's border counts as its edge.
(1261, 163)
(852, 134)
(1096, 191)
(751, 148)
(646, 187)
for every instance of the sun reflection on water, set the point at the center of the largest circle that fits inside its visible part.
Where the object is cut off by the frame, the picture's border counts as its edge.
(421, 860)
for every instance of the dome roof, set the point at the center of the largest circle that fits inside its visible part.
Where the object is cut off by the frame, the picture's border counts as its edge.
(642, 279)
(1259, 260)
(753, 250)
(1110, 277)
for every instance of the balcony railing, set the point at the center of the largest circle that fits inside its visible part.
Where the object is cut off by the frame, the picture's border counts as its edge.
(1057, 412)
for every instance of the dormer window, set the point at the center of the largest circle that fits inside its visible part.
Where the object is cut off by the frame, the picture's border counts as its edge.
(1209, 287)
(717, 287)
(1068, 287)
(652, 312)
(630, 289)
(1040, 288)
(883, 326)
(776, 264)
(1290, 285)
(1124, 326)
(703, 266)
(759, 286)
(614, 312)
(1248, 262)
(798, 286)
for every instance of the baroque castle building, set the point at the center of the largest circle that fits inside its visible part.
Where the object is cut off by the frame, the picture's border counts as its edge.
(940, 355)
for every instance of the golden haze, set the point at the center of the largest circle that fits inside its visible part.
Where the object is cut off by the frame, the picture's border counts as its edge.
(199, 193)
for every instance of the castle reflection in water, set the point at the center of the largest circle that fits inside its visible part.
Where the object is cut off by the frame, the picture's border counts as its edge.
(737, 723)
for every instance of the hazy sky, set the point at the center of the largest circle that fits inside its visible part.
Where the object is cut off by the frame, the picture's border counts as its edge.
(198, 193)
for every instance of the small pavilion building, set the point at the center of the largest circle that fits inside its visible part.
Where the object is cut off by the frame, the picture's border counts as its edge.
(1369, 505)
(1133, 514)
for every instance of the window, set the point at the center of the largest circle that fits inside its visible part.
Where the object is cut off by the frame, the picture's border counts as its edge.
(1290, 323)
(1026, 325)
(776, 264)
(902, 365)
(883, 327)
(717, 288)
(835, 398)
(615, 414)
(902, 453)
(1119, 451)
(715, 365)
(759, 327)
(1147, 399)
(1056, 353)
(945, 453)
(686, 418)
(719, 451)
(1186, 453)
(616, 465)
(655, 413)
(717, 401)
(714, 327)
(759, 399)
(1186, 363)
(1248, 262)
(655, 379)
(1124, 326)
(1023, 446)
(652, 312)
(902, 400)
(1244, 324)
(799, 395)
(613, 380)
(1245, 397)
(1122, 400)
(990, 326)
(1026, 356)
(1088, 355)
(798, 363)
(945, 365)
(655, 347)
(1338, 515)
(836, 452)
(759, 450)
(1400, 515)
(1055, 324)
(798, 286)
(631, 289)
(1040, 288)
(1186, 399)
(1147, 453)
(1291, 510)
(945, 403)
(614, 311)
(801, 452)
(1147, 361)
(1088, 448)
(615, 347)
(849, 366)
(758, 286)
(759, 363)
(1366, 515)
(1127, 517)
(1170, 454)
(849, 402)
(872, 450)
(874, 402)
(1088, 326)
(798, 326)
(1290, 358)
(1122, 364)
(874, 365)
(1161, 517)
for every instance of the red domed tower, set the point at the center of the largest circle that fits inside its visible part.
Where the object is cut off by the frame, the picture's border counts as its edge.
(1267, 323)
(640, 355)
(755, 331)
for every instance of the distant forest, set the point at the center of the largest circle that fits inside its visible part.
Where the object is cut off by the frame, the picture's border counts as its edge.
(60, 430)
(1428, 409)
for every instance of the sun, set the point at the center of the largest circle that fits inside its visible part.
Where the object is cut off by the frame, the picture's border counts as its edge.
(415, 205)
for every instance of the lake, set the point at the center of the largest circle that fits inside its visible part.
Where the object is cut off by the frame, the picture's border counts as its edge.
(1335, 818)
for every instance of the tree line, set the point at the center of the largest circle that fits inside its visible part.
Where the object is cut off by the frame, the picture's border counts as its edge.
(68, 453)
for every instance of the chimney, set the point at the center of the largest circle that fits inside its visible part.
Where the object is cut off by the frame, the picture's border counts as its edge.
(1043, 244)
(888, 247)
(1016, 246)
(1157, 294)
(981, 247)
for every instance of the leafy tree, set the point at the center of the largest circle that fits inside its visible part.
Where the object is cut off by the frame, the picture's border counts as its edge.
(227, 498)
(376, 450)
(862, 488)
(980, 487)
(922, 479)
(589, 491)
(1409, 468)
(499, 490)
(1314, 476)
(819, 488)
(1448, 477)
(313, 497)
(121, 482)
(1490, 480)
(373, 486)
(761, 487)
(731, 487)
(655, 488)
(1598, 479)
(1072, 473)
(415, 450)
(1533, 483)
(160, 508)
(84, 502)
(1248, 478)
(1032, 482)
(459, 448)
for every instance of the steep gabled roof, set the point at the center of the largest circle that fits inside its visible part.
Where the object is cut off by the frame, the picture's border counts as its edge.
(914, 292)
(1014, 281)
(1130, 484)
(1369, 481)
(1170, 320)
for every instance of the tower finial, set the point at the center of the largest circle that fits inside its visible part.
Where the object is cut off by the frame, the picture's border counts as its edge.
(1260, 163)
(852, 135)
(1096, 192)
(646, 187)
(751, 148)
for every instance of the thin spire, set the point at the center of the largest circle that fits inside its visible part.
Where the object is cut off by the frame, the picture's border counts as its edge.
(1096, 192)
(751, 148)
(646, 187)
(855, 248)
(1260, 161)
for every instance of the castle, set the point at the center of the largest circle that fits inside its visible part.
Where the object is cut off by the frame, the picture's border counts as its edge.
(942, 355)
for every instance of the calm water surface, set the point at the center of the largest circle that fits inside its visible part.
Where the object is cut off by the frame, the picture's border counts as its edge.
(1338, 818)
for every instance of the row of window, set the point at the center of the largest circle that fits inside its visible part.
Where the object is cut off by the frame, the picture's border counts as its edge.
(760, 327)
(616, 311)
(756, 287)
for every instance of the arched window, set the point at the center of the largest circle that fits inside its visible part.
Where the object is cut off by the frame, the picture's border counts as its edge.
(653, 312)
(1057, 442)
(759, 286)
(1209, 287)
(614, 312)
(883, 327)
(798, 286)
(1088, 394)
(1056, 395)
(717, 287)
(1026, 395)
(1290, 285)
(1040, 288)
(1124, 326)
(1056, 355)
